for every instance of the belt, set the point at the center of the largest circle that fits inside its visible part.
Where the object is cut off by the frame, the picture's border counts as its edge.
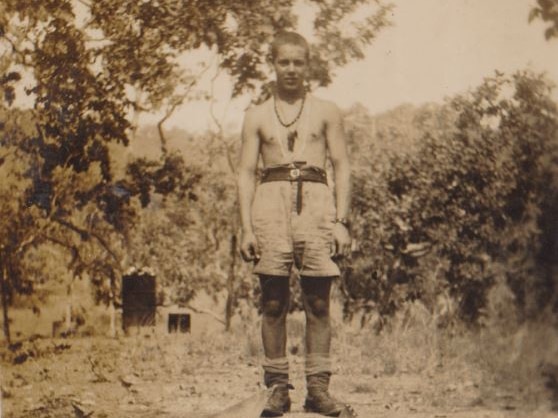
(295, 172)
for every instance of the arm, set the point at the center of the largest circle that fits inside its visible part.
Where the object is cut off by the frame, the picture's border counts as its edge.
(337, 146)
(247, 184)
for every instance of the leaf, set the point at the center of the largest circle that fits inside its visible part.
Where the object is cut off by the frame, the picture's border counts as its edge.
(550, 33)
(534, 13)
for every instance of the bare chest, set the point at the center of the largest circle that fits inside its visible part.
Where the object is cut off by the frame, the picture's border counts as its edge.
(286, 137)
(304, 140)
(274, 134)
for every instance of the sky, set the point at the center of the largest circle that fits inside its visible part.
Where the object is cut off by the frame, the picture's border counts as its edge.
(433, 50)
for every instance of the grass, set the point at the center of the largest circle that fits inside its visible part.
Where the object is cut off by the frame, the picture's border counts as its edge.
(505, 364)
(363, 388)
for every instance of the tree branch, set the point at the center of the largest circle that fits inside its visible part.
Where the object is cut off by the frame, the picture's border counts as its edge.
(205, 312)
(177, 102)
(15, 49)
(220, 134)
(72, 248)
(85, 3)
(85, 235)
(26, 243)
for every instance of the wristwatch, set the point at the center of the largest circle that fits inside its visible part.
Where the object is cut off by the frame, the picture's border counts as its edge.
(343, 221)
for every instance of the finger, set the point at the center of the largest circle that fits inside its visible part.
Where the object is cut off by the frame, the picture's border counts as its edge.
(342, 249)
(256, 251)
(246, 256)
(337, 253)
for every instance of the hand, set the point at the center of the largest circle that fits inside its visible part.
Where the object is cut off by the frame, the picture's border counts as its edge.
(249, 249)
(342, 241)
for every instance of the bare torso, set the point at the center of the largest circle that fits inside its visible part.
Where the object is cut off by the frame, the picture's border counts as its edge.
(310, 145)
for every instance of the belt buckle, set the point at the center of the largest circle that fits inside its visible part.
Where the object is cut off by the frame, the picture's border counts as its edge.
(294, 173)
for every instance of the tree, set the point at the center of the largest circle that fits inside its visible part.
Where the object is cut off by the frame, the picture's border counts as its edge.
(17, 224)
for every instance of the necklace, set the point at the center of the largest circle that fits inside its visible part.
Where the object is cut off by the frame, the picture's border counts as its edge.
(292, 135)
(297, 117)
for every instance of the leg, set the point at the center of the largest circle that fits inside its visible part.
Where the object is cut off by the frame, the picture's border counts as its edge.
(315, 296)
(318, 340)
(275, 304)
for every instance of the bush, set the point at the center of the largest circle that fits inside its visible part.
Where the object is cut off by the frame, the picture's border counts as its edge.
(469, 206)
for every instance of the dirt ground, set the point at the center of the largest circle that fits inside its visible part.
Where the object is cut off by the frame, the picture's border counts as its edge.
(180, 375)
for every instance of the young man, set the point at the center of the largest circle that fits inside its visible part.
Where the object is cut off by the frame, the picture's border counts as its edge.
(292, 217)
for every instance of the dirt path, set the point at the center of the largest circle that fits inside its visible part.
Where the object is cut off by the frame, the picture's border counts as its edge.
(177, 376)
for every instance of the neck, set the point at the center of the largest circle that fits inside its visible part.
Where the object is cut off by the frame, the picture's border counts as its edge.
(290, 96)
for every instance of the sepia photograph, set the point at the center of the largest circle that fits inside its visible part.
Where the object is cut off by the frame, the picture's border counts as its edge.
(279, 208)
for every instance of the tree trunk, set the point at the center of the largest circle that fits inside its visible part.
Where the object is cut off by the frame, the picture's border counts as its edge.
(231, 293)
(6, 320)
(69, 305)
(112, 307)
(112, 312)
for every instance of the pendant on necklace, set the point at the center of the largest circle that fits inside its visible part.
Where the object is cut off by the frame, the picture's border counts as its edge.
(291, 137)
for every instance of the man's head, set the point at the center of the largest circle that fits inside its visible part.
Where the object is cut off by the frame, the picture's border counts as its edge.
(288, 38)
(289, 55)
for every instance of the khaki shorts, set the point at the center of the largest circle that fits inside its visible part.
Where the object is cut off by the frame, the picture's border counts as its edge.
(286, 238)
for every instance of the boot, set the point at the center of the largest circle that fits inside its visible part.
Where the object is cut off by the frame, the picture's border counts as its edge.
(318, 399)
(279, 401)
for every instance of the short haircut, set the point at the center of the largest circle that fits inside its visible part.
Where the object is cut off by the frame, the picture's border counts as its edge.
(290, 38)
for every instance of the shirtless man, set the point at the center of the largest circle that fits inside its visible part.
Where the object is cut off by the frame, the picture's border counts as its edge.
(292, 217)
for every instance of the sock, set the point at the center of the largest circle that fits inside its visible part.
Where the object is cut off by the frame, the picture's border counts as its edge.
(277, 365)
(317, 363)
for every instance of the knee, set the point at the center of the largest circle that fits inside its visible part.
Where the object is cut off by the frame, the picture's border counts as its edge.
(318, 308)
(274, 308)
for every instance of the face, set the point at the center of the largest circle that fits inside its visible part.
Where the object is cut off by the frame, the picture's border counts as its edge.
(291, 66)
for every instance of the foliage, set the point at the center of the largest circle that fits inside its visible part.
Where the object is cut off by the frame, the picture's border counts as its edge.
(464, 210)
(18, 225)
(547, 11)
(189, 238)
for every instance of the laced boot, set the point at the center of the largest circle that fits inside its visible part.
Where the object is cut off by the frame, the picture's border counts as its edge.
(318, 399)
(279, 402)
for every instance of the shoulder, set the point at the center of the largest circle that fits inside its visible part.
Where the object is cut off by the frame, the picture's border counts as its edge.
(255, 118)
(327, 108)
(257, 111)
